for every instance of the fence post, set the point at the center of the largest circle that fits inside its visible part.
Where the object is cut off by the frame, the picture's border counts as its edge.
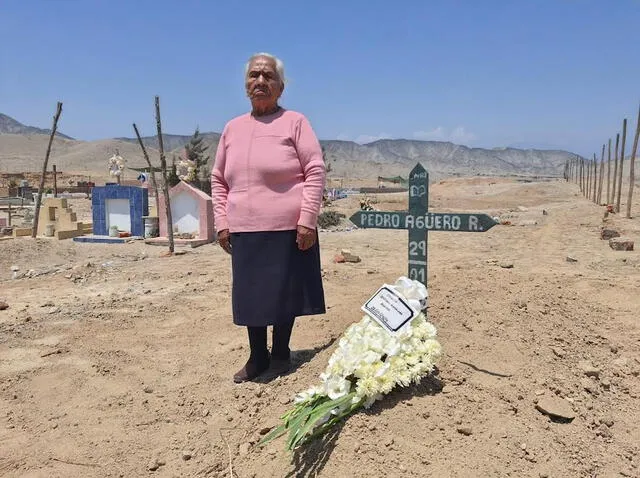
(165, 184)
(624, 137)
(615, 170)
(609, 174)
(601, 176)
(632, 175)
(55, 182)
(34, 231)
(594, 193)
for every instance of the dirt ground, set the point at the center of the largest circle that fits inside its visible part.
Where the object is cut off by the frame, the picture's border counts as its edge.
(114, 360)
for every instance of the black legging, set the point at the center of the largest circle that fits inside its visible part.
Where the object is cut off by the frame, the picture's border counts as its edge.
(281, 335)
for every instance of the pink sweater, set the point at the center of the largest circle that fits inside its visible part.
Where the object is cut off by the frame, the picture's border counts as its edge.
(269, 174)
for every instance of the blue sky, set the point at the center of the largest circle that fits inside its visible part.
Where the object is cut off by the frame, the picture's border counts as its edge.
(556, 73)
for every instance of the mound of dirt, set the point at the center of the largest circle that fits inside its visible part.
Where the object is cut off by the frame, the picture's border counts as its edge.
(115, 361)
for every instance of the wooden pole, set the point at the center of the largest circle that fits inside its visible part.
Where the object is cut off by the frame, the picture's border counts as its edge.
(594, 178)
(591, 170)
(595, 183)
(571, 169)
(153, 174)
(624, 137)
(594, 192)
(36, 213)
(609, 174)
(582, 175)
(165, 182)
(615, 170)
(599, 201)
(588, 179)
(55, 182)
(9, 219)
(632, 175)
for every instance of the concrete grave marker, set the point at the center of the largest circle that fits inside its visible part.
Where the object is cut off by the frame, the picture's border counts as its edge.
(120, 206)
(191, 214)
(58, 219)
(419, 221)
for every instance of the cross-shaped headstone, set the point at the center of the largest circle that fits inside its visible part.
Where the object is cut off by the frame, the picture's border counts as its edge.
(419, 221)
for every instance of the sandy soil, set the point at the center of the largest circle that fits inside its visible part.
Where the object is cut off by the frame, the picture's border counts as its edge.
(113, 358)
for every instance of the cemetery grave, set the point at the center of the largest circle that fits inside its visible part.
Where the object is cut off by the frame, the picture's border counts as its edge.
(192, 217)
(117, 361)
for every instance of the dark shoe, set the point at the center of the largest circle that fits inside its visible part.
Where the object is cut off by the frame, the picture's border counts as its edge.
(279, 367)
(250, 371)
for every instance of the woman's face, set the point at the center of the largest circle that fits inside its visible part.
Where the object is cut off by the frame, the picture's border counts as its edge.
(263, 83)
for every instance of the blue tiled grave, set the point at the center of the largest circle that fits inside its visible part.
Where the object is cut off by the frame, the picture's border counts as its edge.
(107, 203)
(106, 239)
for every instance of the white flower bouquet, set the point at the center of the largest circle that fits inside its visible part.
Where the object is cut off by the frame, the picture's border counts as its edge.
(116, 165)
(369, 362)
(186, 170)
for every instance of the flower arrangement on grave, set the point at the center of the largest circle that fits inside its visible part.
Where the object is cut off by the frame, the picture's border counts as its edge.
(116, 165)
(186, 169)
(369, 363)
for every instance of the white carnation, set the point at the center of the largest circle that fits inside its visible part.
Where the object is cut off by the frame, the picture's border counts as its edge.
(369, 362)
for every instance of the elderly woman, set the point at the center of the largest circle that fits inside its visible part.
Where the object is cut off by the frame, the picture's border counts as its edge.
(267, 186)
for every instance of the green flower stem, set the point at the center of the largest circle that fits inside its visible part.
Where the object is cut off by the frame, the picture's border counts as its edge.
(317, 414)
(302, 421)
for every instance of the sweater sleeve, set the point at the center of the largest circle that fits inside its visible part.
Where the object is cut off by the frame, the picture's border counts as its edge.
(219, 187)
(313, 167)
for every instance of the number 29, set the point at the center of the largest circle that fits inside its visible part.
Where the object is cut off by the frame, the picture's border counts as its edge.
(417, 248)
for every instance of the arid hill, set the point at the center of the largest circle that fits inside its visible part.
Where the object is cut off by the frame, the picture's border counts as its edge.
(22, 149)
(8, 125)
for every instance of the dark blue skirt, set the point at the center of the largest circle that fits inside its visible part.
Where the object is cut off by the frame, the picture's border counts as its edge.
(273, 280)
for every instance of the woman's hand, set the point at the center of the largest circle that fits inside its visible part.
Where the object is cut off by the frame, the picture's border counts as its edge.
(223, 240)
(306, 238)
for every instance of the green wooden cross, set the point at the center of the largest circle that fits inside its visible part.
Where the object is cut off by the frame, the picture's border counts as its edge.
(419, 221)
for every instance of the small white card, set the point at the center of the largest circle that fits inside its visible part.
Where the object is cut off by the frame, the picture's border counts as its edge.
(389, 309)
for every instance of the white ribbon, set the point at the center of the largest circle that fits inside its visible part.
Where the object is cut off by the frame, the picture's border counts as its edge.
(415, 292)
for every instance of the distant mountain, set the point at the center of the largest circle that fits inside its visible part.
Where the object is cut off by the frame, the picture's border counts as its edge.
(22, 147)
(442, 159)
(397, 156)
(8, 125)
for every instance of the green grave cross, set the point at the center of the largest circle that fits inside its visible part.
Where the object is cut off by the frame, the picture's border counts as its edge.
(419, 221)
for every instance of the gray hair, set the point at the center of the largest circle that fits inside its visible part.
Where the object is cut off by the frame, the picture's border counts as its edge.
(279, 64)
